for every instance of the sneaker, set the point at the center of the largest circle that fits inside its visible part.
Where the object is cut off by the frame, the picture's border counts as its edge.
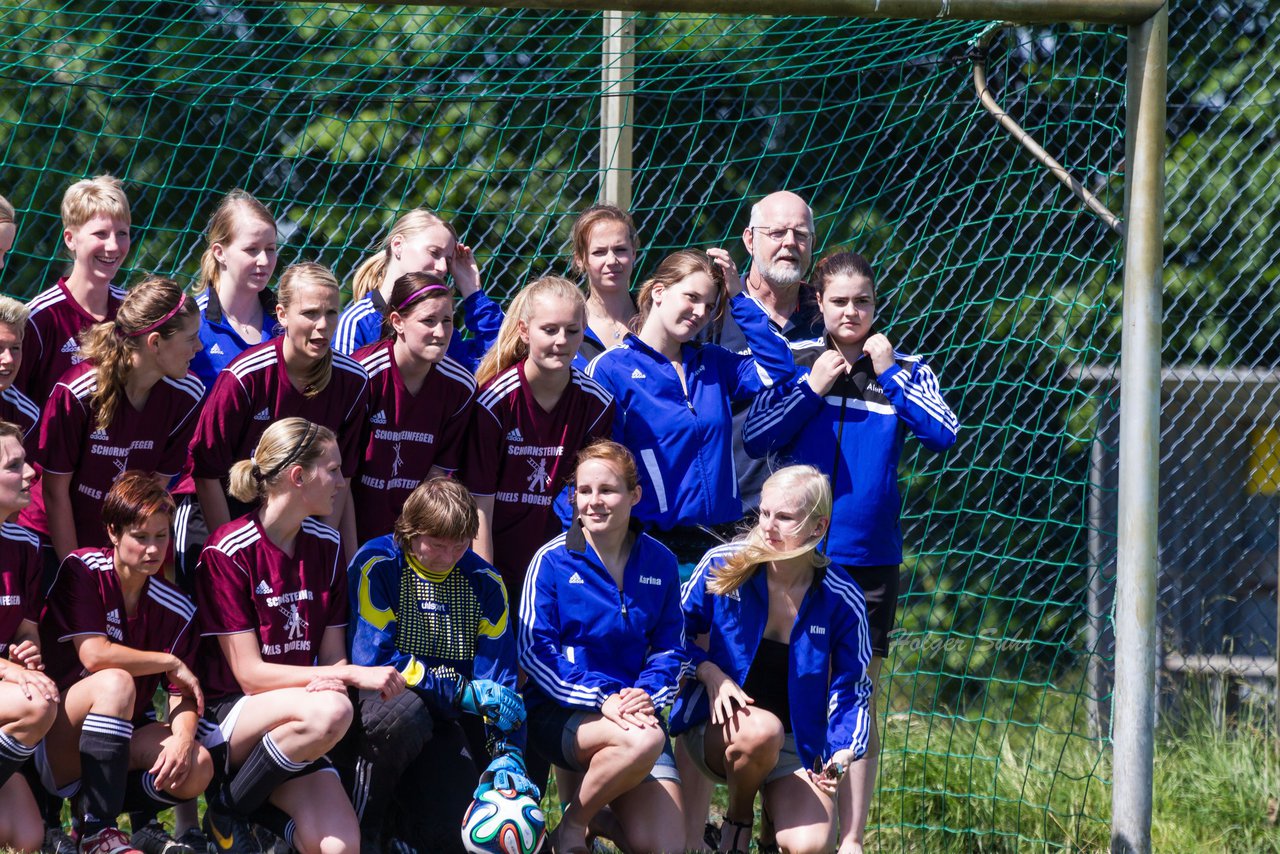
(58, 841)
(109, 840)
(152, 838)
(195, 840)
(227, 834)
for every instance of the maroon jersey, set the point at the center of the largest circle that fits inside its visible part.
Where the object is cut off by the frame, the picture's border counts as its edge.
(523, 456)
(246, 584)
(20, 568)
(50, 343)
(86, 599)
(407, 434)
(17, 408)
(153, 439)
(254, 390)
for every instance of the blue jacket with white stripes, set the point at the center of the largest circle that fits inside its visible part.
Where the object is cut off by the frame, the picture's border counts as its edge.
(361, 324)
(854, 435)
(683, 440)
(582, 639)
(829, 650)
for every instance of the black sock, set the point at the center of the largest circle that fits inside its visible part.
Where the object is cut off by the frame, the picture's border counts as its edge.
(104, 767)
(143, 799)
(275, 820)
(12, 754)
(266, 768)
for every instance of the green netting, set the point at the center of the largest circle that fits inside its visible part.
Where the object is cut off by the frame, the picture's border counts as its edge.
(338, 117)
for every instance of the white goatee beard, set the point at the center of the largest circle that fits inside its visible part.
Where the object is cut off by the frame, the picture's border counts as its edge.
(781, 275)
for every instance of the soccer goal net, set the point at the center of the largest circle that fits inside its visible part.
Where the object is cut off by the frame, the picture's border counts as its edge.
(339, 117)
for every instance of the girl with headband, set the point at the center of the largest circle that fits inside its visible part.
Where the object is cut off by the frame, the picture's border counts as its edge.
(419, 403)
(131, 404)
(272, 597)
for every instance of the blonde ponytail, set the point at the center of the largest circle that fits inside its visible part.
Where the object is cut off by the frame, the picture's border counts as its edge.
(373, 270)
(509, 348)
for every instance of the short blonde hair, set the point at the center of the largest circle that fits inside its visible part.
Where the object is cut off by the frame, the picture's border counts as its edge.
(14, 313)
(100, 196)
(7, 212)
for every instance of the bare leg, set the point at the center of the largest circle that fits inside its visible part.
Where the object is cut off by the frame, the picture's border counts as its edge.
(695, 797)
(804, 816)
(650, 815)
(860, 785)
(745, 750)
(617, 760)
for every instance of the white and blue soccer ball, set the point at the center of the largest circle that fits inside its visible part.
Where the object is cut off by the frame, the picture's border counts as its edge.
(503, 822)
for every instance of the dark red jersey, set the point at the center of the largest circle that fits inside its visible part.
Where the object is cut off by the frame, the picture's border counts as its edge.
(87, 599)
(245, 583)
(50, 344)
(254, 390)
(152, 439)
(523, 456)
(20, 568)
(407, 434)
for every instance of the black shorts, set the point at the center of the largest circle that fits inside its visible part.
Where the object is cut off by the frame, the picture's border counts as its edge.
(880, 588)
(214, 732)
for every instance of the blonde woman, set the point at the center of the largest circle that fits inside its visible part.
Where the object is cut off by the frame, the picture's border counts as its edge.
(533, 413)
(419, 242)
(131, 404)
(297, 374)
(778, 638)
(272, 594)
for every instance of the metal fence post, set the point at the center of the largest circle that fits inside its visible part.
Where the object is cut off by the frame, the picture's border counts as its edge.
(1140, 352)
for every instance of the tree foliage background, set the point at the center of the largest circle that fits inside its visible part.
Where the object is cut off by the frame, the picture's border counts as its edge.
(339, 117)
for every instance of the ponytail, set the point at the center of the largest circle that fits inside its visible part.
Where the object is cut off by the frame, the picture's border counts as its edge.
(155, 304)
(509, 348)
(286, 443)
(373, 270)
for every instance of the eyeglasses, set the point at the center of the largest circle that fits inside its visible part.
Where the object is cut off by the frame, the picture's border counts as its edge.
(777, 235)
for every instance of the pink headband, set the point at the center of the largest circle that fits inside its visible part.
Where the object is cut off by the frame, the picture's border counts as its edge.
(434, 286)
(182, 300)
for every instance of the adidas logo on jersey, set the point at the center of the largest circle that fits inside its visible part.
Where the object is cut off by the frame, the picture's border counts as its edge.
(100, 436)
(263, 588)
(71, 346)
(215, 350)
(576, 579)
(264, 415)
(637, 374)
(379, 417)
(514, 435)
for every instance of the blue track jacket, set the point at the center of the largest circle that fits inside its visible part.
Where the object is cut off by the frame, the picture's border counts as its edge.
(582, 639)
(854, 435)
(830, 649)
(684, 442)
(472, 593)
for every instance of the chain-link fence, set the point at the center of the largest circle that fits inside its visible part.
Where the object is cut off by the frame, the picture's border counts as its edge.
(339, 117)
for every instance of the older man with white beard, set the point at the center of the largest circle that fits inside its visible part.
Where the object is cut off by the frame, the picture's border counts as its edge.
(779, 238)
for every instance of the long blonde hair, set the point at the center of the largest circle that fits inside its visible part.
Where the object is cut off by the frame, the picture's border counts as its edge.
(222, 230)
(813, 486)
(155, 304)
(509, 349)
(287, 442)
(369, 275)
(294, 277)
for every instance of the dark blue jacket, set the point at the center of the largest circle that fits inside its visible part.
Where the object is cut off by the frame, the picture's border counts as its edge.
(854, 435)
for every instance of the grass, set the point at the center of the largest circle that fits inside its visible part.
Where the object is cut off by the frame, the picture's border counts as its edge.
(971, 784)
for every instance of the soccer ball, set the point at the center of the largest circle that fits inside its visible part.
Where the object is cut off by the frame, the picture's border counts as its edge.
(503, 822)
